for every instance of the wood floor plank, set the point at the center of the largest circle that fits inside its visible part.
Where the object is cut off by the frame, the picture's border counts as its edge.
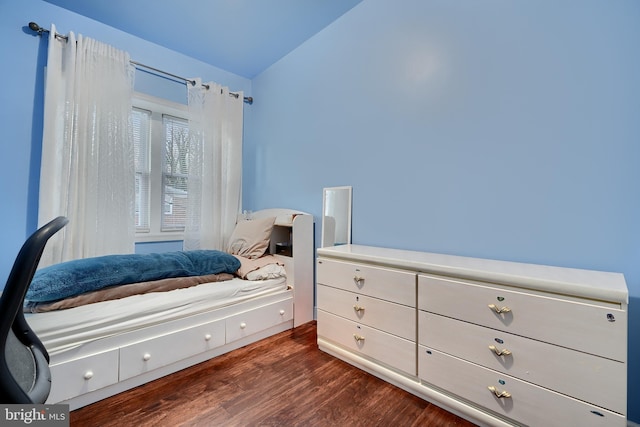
(283, 380)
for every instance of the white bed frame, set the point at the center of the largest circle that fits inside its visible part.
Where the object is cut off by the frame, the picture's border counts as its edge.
(111, 365)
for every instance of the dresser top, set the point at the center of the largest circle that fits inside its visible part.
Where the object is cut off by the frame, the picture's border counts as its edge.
(598, 285)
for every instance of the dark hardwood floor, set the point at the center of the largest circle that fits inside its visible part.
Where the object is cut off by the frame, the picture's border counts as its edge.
(283, 380)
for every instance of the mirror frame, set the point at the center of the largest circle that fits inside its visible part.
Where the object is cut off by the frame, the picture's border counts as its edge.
(349, 190)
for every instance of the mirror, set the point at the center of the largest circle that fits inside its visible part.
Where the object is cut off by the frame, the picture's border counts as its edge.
(336, 216)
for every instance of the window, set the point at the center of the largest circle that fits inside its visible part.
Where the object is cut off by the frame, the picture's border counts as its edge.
(161, 145)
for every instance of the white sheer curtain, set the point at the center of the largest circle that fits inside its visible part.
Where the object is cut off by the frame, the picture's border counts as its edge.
(87, 172)
(215, 168)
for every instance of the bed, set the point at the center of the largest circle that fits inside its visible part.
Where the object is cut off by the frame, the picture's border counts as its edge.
(105, 346)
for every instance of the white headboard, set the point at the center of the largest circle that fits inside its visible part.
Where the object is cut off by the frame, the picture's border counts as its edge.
(295, 228)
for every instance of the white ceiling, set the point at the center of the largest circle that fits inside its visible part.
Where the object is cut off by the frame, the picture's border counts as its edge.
(241, 36)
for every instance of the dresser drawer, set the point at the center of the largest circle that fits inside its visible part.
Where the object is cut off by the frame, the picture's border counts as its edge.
(391, 285)
(581, 375)
(393, 318)
(80, 376)
(388, 349)
(154, 353)
(250, 322)
(527, 404)
(588, 327)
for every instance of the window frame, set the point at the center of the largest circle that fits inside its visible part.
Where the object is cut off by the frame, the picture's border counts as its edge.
(158, 107)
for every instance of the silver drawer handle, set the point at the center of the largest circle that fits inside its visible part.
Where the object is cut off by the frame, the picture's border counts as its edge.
(358, 309)
(499, 310)
(358, 338)
(496, 350)
(499, 394)
(358, 280)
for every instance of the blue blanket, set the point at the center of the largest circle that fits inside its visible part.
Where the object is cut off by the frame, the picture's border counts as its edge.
(90, 274)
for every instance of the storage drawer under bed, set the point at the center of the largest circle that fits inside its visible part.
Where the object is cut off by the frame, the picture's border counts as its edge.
(83, 375)
(250, 322)
(154, 353)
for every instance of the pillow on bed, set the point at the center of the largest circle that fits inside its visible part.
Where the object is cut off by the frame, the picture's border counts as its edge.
(250, 238)
(269, 271)
(266, 267)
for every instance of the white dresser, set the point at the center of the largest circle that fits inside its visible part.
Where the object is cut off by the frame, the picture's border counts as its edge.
(498, 343)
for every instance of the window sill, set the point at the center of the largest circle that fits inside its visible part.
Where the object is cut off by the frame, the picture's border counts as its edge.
(169, 236)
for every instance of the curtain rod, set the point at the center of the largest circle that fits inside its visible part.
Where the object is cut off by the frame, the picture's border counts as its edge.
(38, 29)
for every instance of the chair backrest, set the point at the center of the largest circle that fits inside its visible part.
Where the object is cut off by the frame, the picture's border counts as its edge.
(24, 370)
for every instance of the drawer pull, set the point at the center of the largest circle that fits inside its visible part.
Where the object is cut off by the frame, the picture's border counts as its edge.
(88, 375)
(146, 357)
(496, 350)
(499, 394)
(358, 280)
(358, 338)
(281, 312)
(499, 310)
(243, 325)
(207, 337)
(358, 309)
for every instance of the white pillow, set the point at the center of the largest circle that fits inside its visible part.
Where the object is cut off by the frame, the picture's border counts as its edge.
(250, 238)
(269, 271)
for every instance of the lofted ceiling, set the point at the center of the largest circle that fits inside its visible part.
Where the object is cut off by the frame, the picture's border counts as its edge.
(241, 36)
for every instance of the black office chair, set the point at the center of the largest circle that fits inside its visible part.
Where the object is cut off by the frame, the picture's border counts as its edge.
(24, 362)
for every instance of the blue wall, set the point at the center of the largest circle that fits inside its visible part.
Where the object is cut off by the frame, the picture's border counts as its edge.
(496, 129)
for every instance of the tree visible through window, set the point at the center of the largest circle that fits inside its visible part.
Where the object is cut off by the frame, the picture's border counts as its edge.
(175, 175)
(161, 141)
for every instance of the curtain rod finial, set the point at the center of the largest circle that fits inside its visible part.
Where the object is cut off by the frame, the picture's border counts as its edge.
(37, 28)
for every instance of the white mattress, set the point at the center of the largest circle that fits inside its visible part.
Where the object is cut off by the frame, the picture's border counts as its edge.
(64, 330)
